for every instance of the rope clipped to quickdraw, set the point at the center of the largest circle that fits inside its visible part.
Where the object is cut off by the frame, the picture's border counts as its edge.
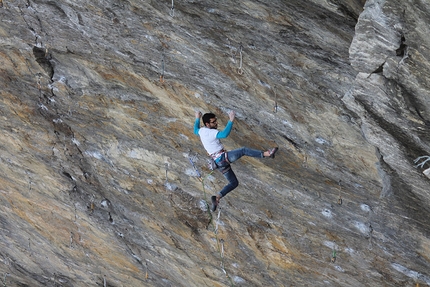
(339, 201)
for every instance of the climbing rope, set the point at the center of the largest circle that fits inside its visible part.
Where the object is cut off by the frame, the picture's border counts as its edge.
(220, 242)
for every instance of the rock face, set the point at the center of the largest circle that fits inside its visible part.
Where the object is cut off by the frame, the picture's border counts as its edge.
(103, 182)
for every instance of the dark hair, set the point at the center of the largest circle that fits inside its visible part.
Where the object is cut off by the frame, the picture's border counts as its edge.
(207, 117)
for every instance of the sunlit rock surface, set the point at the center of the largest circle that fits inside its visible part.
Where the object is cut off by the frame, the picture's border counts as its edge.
(98, 186)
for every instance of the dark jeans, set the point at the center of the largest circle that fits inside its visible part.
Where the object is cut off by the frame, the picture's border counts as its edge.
(225, 168)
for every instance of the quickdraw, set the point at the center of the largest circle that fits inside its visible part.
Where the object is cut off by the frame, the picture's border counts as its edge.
(333, 256)
(240, 70)
(217, 221)
(146, 272)
(195, 168)
(339, 201)
(275, 108)
(172, 10)
(162, 71)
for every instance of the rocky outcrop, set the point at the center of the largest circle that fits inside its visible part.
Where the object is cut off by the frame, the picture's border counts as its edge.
(103, 182)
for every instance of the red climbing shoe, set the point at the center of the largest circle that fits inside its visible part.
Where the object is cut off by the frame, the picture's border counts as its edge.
(272, 152)
(215, 202)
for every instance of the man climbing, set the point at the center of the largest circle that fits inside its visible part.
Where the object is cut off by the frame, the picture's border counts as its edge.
(210, 137)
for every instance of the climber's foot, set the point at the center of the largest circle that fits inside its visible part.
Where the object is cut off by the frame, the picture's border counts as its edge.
(271, 152)
(215, 202)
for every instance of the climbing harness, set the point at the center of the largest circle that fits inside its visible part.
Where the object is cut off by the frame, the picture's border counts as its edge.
(214, 156)
(217, 154)
(240, 70)
(172, 10)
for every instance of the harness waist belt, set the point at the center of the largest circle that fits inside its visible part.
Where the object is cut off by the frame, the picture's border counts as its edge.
(217, 154)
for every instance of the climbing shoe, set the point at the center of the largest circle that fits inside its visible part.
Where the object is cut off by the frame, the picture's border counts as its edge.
(214, 203)
(272, 152)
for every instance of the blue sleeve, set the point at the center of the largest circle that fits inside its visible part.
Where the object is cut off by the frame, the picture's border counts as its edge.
(225, 132)
(197, 126)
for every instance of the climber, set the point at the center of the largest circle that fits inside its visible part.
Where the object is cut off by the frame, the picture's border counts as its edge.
(210, 137)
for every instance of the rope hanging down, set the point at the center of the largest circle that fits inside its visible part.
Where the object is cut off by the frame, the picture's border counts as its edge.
(220, 242)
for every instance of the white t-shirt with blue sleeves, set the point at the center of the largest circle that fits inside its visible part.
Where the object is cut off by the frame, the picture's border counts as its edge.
(209, 140)
(210, 137)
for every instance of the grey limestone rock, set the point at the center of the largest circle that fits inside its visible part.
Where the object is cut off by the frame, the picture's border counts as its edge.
(103, 183)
